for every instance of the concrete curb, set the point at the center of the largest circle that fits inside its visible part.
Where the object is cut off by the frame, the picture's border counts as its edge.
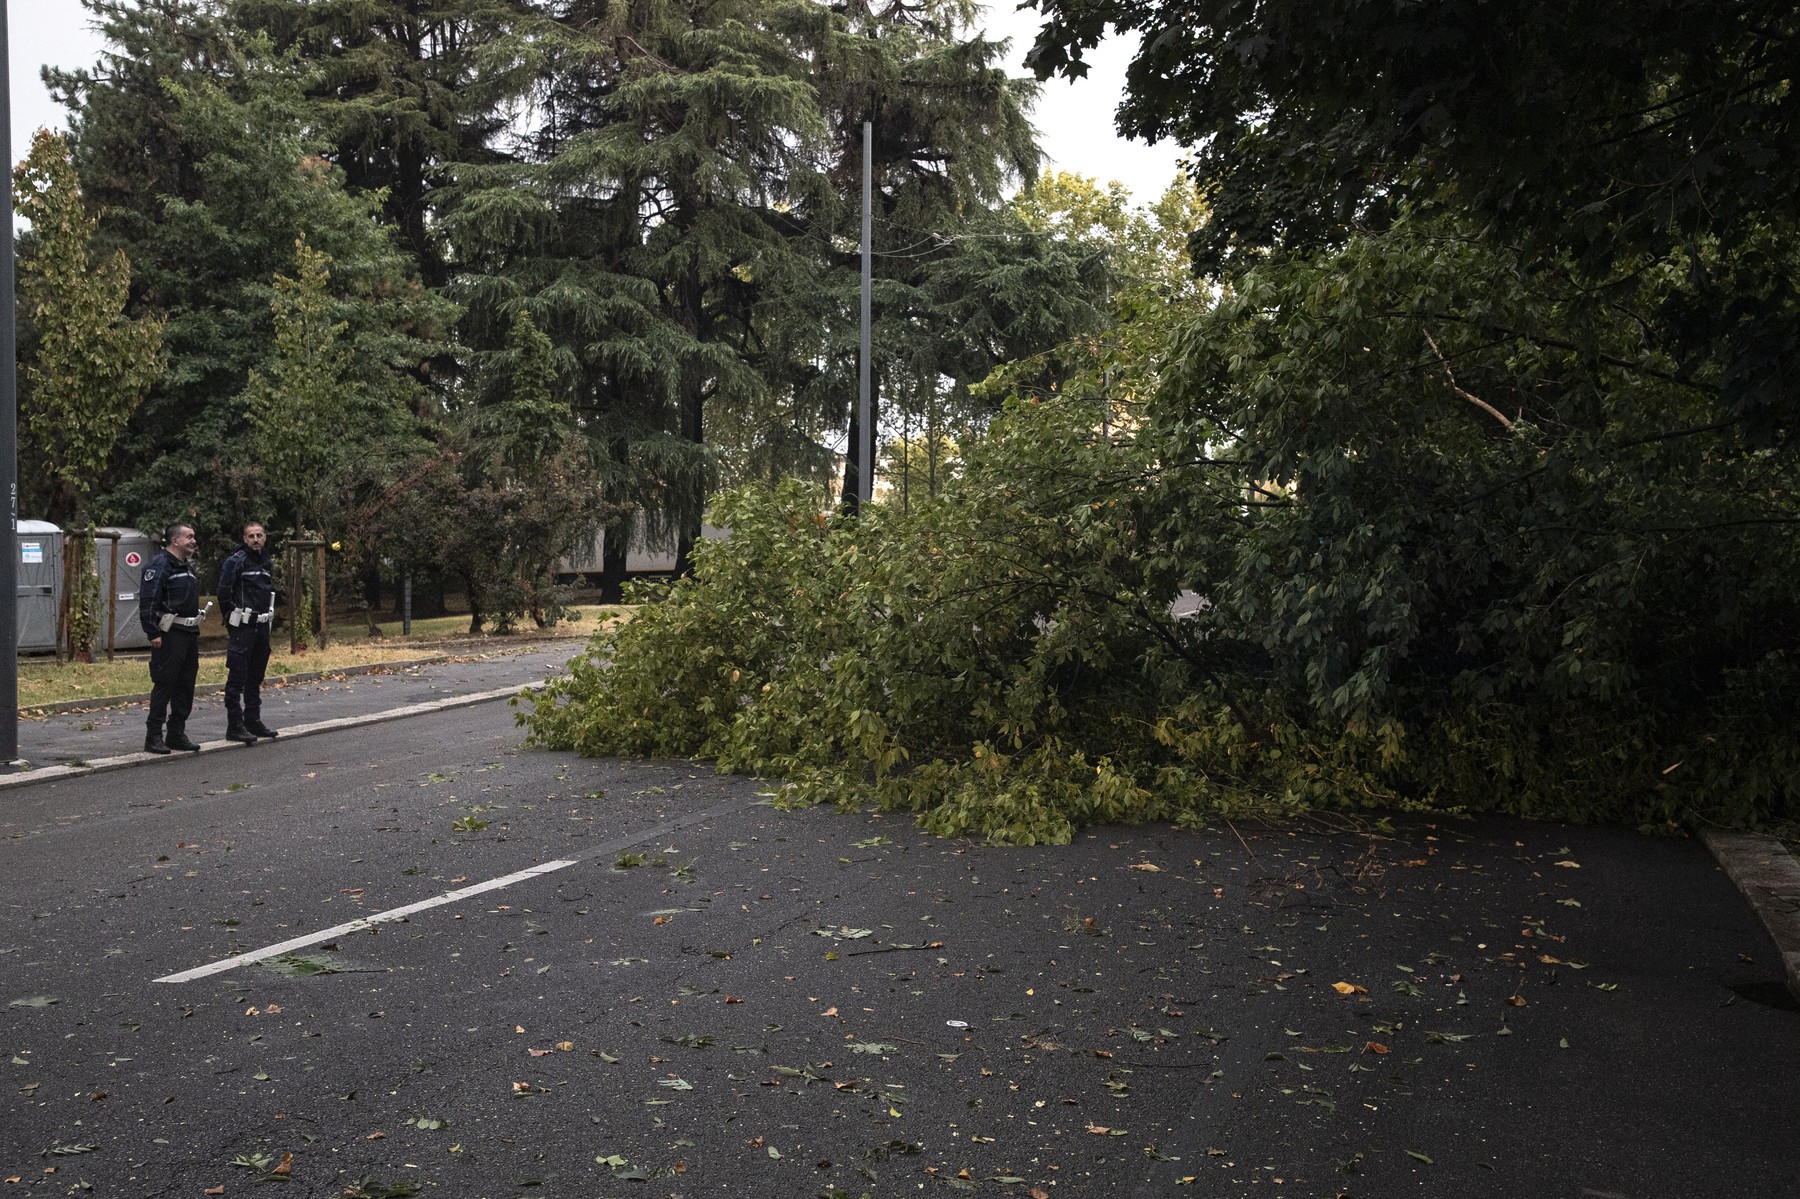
(100, 702)
(103, 765)
(1769, 877)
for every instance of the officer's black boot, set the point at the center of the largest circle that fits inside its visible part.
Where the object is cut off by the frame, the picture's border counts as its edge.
(255, 725)
(235, 731)
(178, 739)
(153, 742)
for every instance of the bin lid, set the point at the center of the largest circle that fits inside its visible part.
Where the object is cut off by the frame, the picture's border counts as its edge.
(124, 534)
(37, 527)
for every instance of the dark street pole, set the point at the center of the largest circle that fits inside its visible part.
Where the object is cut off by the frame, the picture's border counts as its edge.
(9, 434)
(865, 452)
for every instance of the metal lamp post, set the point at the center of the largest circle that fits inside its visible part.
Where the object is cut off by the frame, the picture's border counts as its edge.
(9, 431)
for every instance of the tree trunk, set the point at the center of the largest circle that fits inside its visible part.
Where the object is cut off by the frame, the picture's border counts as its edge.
(371, 589)
(612, 561)
(693, 406)
(849, 496)
(474, 595)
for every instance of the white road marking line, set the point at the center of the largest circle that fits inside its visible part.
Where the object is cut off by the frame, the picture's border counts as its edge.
(602, 850)
(356, 926)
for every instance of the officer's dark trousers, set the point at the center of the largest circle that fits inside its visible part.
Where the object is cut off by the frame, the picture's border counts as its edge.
(173, 666)
(246, 661)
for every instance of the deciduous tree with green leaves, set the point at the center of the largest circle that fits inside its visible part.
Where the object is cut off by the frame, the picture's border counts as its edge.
(298, 403)
(90, 364)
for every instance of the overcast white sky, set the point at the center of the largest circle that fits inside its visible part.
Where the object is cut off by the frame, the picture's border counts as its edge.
(1074, 120)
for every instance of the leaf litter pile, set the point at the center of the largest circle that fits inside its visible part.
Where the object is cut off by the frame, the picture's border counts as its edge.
(809, 1003)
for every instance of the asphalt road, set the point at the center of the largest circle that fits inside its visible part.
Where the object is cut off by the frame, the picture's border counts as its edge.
(697, 994)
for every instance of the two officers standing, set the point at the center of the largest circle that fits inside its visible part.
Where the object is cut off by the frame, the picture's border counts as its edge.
(169, 609)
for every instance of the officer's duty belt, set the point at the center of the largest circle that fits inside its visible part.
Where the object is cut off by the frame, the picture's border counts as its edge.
(187, 622)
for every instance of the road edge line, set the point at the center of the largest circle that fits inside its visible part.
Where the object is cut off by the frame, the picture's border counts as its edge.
(50, 774)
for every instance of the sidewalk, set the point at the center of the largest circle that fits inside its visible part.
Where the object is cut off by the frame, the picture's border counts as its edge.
(90, 737)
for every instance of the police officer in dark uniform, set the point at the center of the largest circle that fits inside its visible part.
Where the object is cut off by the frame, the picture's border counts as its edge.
(247, 597)
(169, 609)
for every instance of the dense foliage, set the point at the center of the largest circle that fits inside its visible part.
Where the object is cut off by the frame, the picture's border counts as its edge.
(1475, 465)
(661, 187)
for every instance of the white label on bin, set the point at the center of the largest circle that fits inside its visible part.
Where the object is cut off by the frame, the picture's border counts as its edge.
(31, 551)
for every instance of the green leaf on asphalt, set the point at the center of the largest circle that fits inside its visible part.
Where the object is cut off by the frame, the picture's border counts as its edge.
(613, 1160)
(1420, 1156)
(305, 964)
(35, 1001)
(69, 1150)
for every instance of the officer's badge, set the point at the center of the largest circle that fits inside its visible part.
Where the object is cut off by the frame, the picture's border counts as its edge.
(149, 574)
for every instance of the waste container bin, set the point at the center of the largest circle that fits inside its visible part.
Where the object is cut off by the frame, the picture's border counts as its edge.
(39, 545)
